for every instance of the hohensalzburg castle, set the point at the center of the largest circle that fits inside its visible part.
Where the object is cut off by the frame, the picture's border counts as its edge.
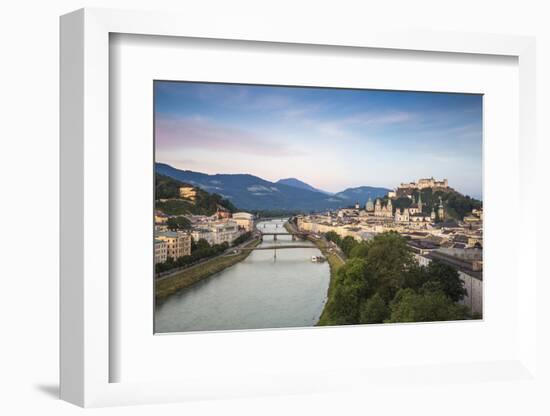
(425, 183)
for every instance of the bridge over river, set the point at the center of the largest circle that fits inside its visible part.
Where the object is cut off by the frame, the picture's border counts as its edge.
(255, 293)
(288, 231)
(277, 247)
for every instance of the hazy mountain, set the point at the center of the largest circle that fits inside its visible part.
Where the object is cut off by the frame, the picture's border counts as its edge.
(249, 192)
(300, 184)
(361, 194)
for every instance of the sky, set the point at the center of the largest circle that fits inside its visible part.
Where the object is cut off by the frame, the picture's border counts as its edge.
(331, 138)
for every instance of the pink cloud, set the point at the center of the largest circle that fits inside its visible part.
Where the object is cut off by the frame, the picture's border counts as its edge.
(200, 133)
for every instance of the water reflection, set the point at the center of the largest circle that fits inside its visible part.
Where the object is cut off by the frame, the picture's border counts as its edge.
(259, 292)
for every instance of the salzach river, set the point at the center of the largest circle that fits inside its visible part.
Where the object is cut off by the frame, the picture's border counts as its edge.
(259, 292)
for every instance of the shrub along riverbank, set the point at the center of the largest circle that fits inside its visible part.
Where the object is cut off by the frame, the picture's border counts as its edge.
(167, 286)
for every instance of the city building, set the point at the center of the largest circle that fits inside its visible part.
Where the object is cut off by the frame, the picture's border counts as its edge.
(161, 251)
(178, 243)
(244, 220)
(347, 212)
(402, 215)
(420, 217)
(188, 192)
(222, 214)
(217, 232)
(159, 228)
(385, 210)
(160, 217)
(416, 207)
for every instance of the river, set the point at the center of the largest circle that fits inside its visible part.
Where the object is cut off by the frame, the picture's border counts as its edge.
(259, 292)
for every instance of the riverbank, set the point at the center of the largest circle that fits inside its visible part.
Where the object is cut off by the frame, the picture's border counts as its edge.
(170, 285)
(334, 261)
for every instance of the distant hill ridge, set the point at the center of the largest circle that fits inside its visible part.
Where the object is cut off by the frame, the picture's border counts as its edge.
(300, 184)
(249, 192)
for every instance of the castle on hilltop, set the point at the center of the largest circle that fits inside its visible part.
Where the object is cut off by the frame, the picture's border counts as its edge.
(425, 183)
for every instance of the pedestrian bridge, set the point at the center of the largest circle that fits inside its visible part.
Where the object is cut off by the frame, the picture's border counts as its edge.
(277, 247)
(294, 235)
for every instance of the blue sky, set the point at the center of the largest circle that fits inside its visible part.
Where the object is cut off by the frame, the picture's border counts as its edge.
(330, 138)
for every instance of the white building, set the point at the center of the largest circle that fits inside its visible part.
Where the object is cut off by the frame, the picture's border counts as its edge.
(217, 232)
(161, 251)
(402, 215)
(244, 220)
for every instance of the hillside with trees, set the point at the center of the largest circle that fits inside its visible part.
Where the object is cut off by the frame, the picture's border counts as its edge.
(168, 201)
(456, 205)
(381, 283)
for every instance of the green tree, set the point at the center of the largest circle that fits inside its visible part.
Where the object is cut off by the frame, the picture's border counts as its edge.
(388, 259)
(353, 285)
(409, 306)
(332, 236)
(415, 277)
(347, 244)
(178, 223)
(360, 250)
(242, 238)
(374, 310)
(448, 278)
(199, 245)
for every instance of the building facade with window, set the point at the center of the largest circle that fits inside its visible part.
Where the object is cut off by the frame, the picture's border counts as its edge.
(178, 244)
(161, 251)
(244, 220)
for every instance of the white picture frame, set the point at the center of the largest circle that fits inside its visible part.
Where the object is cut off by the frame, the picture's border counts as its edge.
(86, 353)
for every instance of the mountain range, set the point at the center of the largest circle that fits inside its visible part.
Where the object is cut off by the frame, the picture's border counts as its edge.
(252, 193)
(297, 183)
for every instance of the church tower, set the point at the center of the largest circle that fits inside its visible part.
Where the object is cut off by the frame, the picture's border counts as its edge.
(377, 207)
(420, 202)
(432, 216)
(369, 206)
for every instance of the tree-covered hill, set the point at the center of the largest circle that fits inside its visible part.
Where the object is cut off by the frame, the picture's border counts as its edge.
(167, 199)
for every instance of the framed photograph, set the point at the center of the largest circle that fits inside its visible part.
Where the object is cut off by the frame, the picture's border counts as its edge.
(339, 239)
(271, 212)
